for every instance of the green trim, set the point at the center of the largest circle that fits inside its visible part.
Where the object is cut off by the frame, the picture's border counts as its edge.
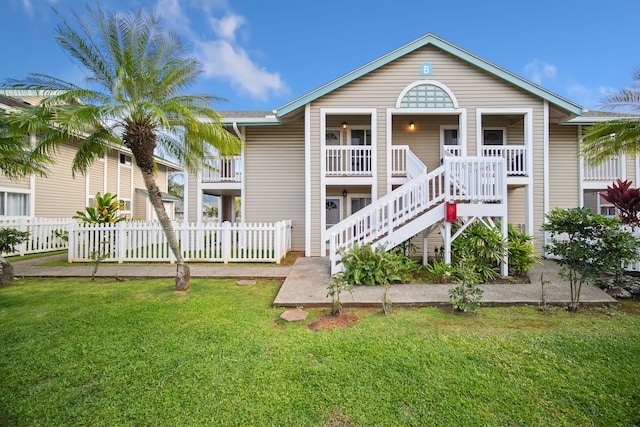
(431, 39)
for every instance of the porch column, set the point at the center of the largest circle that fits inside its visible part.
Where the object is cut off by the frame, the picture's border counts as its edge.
(227, 208)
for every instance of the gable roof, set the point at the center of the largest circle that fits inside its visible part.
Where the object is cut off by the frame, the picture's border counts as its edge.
(431, 39)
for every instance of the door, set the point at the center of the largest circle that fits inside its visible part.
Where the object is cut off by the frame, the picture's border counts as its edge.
(333, 206)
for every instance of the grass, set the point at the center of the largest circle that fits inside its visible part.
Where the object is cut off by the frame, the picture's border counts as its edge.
(76, 352)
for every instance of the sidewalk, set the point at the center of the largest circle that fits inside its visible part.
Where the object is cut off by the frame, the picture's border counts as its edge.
(305, 283)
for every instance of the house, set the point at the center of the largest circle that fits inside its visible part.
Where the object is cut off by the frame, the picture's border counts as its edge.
(392, 149)
(60, 194)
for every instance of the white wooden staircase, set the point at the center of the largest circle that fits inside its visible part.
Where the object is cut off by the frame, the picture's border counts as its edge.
(420, 203)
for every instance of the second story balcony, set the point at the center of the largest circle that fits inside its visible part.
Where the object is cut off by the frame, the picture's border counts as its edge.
(224, 169)
(348, 160)
(515, 156)
(607, 171)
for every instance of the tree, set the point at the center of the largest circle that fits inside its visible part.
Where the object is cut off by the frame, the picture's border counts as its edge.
(137, 74)
(587, 245)
(621, 136)
(17, 159)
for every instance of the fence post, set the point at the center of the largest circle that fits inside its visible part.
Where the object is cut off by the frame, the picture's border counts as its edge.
(277, 246)
(22, 226)
(121, 244)
(72, 242)
(226, 241)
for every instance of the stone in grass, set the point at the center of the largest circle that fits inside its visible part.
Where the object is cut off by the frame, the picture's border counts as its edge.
(248, 282)
(295, 315)
(618, 292)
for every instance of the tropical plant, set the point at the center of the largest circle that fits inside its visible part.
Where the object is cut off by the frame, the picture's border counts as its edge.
(620, 136)
(625, 199)
(587, 245)
(481, 246)
(467, 295)
(137, 74)
(10, 238)
(336, 286)
(364, 265)
(522, 253)
(105, 210)
(440, 272)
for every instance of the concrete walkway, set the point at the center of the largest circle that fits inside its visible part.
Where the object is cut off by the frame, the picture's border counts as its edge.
(305, 283)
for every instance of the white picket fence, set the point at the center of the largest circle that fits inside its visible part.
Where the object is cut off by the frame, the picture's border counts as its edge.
(213, 242)
(44, 233)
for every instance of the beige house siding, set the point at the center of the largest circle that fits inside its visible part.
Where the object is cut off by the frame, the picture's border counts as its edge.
(274, 174)
(563, 167)
(192, 199)
(473, 89)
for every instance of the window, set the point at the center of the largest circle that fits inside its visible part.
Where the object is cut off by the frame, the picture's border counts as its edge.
(14, 204)
(125, 159)
(125, 205)
(493, 137)
(450, 136)
(360, 137)
(358, 203)
(333, 137)
(597, 204)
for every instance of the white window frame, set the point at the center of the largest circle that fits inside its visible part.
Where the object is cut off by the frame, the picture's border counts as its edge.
(504, 136)
(368, 136)
(443, 129)
(128, 160)
(350, 198)
(4, 194)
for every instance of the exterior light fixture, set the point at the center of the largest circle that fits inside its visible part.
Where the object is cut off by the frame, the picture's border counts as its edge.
(344, 193)
(412, 126)
(344, 125)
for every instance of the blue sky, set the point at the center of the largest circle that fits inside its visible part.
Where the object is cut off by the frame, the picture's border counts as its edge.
(261, 54)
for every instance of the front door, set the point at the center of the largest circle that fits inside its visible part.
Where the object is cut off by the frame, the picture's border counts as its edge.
(334, 211)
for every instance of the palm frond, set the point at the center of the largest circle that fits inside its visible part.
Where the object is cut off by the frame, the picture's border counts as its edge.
(606, 139)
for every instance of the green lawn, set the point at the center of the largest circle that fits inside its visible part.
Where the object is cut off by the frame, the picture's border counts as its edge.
(76, 352)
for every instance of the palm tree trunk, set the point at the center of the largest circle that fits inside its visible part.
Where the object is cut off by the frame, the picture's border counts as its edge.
(183, 274)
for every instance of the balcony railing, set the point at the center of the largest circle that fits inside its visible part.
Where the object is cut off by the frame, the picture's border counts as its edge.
(348, 160)
(404, 163)
(453, 150)
(223, 169)
(609, 170)
(515, 156)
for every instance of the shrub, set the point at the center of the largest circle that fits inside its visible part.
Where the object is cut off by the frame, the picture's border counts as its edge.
(439, 272)
(467, 295)
(336, 286)
(587, 244)
(364, 265)
(482, 247)
(104, 211)
(10, 238)
(522, 254)
(625, 199)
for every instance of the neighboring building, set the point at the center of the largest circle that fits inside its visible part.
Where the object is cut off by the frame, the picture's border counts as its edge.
(60, 194)
(410, 116)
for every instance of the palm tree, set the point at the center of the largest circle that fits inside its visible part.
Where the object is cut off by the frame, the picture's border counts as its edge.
(136, 73)
(620, 136)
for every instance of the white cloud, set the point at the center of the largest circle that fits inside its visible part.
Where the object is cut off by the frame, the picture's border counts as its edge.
(537, 71)
(221, 56)
(222, 60)
(28, 6)
(227, 26)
